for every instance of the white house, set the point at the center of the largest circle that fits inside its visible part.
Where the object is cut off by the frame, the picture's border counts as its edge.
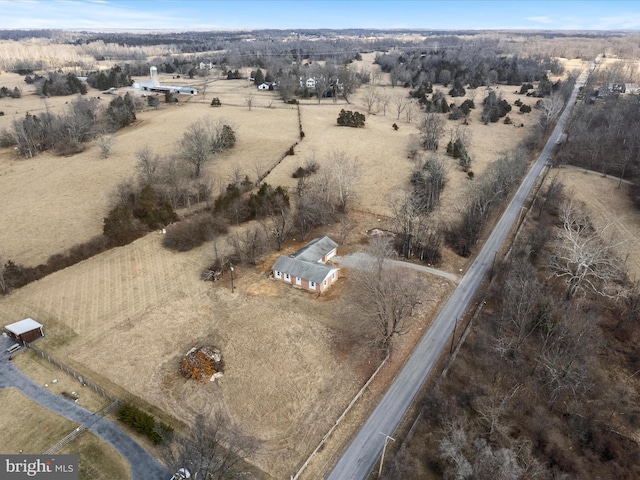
(308, 83)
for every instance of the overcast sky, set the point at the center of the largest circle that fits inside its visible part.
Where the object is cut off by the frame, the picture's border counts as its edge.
(290, 14)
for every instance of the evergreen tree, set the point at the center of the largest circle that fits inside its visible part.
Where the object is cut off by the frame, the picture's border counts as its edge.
(259, 78)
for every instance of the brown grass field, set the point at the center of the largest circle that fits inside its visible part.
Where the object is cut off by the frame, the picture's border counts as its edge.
(125, 317)
(31, 429)
(28, 427)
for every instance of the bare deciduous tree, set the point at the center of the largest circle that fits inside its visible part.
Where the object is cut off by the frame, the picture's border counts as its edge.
(550, 108)
(383, 101)
(431, 129)
(202, 140)
(566, 353)
(248, 101)
(583, 257)
(345, 171)
(105, 144)
(389, 297)
(408, 112)
(408, 213)
(371, 97)
(250, 244)
(400, 103)
(147, 166)
(195, 146)
(213, 449)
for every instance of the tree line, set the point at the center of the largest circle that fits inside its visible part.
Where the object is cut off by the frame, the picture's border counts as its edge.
(67, 133)
(536, 390)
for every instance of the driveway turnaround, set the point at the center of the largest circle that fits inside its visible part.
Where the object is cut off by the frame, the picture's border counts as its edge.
(143, 465)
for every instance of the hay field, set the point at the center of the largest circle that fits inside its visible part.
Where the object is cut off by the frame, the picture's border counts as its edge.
(128, 315)
(606, 202)
(51, 203)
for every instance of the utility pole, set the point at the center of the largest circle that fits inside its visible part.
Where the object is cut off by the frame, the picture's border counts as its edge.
(386, 439)
(231, 268)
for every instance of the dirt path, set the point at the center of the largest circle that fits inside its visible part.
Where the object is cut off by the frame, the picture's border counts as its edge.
(143, 465)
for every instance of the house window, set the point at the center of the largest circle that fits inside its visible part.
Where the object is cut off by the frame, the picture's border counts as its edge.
(278, 274)
(312, 285)
(298, 281)
(287, 277)
(325, 283)
(333, 276)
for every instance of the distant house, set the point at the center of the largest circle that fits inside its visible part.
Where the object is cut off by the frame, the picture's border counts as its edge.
(263, 86)
(26, 330)
(308, 83)
(307, 267)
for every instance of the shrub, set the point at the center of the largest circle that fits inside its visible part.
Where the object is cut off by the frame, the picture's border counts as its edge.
(525, 88)
(192, 233)
(395, 127)
(349, 118)
(525, 109)
(119, 226)
(456, 113)
(305, 171)
(215, 102)
(438, 104)
(152, 211)
(57, 85)
(16, 276)
(153, 101)
(143, 423)
(7, 139)
(121, 111)
(457, 90)
(225, 138)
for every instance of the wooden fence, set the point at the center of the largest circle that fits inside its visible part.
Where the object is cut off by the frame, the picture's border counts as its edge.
(344, 414)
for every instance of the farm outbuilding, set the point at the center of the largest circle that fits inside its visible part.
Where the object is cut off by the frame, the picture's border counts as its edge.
(26, 330)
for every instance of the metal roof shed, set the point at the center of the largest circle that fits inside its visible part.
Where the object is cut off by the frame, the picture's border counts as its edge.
(26, 330)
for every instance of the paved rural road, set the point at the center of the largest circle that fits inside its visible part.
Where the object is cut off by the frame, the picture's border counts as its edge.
(143, 465)
(361, 260)
(364, 450)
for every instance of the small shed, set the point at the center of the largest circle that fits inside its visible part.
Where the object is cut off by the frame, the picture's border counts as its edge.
(26, 330)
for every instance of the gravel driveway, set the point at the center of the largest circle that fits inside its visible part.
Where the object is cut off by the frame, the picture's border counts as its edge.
(361, 260)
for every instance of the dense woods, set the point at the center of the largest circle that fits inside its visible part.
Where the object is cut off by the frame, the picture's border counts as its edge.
(540, 388)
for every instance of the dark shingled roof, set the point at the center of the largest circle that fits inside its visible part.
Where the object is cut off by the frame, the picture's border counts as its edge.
(315, 272)
(315, 249)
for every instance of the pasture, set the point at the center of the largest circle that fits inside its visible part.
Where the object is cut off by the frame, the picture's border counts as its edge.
(124, 318)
